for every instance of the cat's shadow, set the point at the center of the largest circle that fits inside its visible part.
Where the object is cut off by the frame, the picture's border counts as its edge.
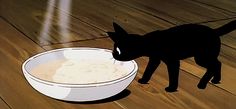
(119, 96)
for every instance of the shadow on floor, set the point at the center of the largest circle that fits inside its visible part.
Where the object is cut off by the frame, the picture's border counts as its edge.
(119, 96)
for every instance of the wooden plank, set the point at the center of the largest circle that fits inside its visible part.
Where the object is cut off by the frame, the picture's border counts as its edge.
(228, 56)
(1, 2)
(45, 24)
(3, 105)
(153, 95)
(13, 84)
(14, 89)
(102, 13)
(90, 19)
(15, 47)
(228, 5)
(179, 12)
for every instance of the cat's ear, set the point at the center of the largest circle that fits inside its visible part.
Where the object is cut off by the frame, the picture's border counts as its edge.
(112, 35)
(119, 30)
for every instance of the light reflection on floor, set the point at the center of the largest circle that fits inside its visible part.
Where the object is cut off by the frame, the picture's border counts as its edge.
(62, 22)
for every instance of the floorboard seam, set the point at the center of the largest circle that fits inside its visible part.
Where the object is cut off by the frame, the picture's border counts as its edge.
(6, 103)
(146, 12)
(217, 20)
(214, 6)
(74, 41)
(123, 107)
(228, 46)
(71, 15)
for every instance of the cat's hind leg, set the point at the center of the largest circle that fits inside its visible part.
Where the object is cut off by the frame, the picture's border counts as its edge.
(217, 73)
(213, 67)
(151, 67)
(205, 79)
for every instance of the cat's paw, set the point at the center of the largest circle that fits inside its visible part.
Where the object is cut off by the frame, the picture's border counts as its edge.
(201, 86)
(170, 89)
(141, 81)
(214, 81)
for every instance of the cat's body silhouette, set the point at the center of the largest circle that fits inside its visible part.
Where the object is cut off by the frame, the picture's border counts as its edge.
(171, 46)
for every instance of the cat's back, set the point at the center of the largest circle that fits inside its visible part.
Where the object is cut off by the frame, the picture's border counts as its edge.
(182, 31)
(187, 34)
(183, 41)
(189, 29)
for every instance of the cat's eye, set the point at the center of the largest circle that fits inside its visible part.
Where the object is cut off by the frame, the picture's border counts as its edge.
(118, 50)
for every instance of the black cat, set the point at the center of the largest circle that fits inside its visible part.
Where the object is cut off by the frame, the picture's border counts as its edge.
(171, 46)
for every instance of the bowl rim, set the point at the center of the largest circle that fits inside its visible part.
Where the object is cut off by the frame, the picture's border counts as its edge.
(27, 73)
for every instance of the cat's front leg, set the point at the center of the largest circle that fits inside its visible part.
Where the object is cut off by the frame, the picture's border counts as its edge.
(173, 71)
(151, 67)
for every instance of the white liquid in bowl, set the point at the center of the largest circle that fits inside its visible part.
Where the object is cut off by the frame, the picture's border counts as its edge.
(79, 71)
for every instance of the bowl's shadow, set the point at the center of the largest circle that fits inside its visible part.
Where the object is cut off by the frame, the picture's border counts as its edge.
(119, 96)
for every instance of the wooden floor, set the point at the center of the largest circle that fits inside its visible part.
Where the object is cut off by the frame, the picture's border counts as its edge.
(28, 27)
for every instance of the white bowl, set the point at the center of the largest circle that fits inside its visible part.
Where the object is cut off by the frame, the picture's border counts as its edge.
(78, 92)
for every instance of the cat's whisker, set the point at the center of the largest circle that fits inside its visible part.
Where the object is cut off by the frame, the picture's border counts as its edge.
(113, 60)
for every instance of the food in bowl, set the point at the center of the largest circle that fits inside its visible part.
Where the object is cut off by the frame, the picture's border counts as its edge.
(84, 71)
(52, 83)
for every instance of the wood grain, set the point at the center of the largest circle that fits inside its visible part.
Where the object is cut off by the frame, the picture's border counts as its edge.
(33, 15)
(102, 13)
(155, 96)
(21, 37)
(179, 12)
(88, 19)
(228, 55)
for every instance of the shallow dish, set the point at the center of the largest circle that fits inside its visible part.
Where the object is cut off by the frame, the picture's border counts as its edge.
(78, 92)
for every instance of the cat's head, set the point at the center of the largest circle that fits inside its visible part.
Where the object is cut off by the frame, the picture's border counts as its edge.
(125, 48)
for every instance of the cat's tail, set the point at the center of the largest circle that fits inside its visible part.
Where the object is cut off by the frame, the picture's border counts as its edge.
(226, 28)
